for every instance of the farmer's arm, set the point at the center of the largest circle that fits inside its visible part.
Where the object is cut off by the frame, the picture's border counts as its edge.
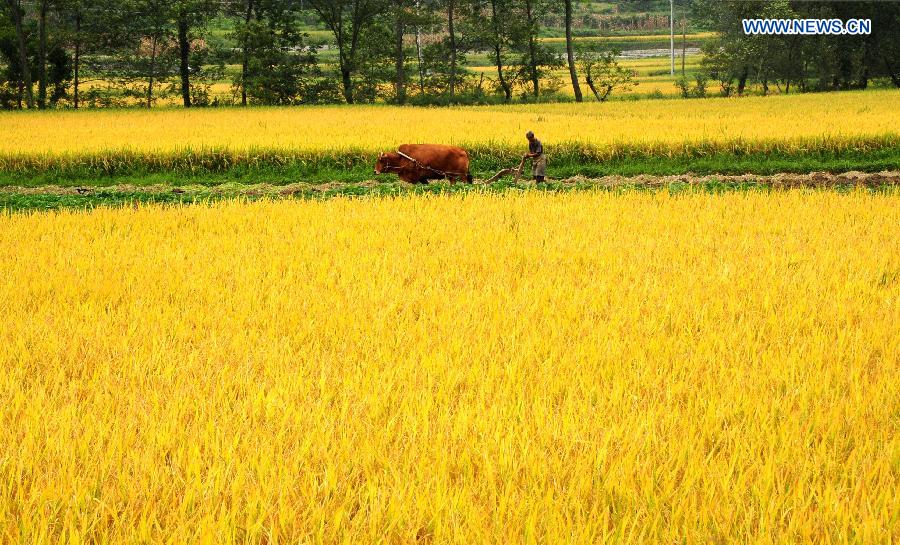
(539, 150)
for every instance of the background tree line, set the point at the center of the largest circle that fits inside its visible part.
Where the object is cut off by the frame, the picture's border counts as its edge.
(116, 52)
(802, 63)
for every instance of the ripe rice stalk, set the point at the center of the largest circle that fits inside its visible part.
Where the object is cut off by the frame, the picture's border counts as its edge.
(587, 367)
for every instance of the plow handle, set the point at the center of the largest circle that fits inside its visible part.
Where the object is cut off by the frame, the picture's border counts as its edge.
(519, 170)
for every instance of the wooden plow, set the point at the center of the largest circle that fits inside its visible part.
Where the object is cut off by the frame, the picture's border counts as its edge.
(506, 172)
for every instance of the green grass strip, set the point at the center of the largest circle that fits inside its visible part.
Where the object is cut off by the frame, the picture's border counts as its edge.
(26, 203)
(213, 167)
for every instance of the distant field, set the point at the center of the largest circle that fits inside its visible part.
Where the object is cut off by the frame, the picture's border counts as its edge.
(692, 37)
(666, 124)
(651, 77)
(794, 133)
(651, 74)
(222, 33)
(227, 94)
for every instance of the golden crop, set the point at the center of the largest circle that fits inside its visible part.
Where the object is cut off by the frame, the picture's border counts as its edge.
(792, 118)
(517, 368)
(651, 75)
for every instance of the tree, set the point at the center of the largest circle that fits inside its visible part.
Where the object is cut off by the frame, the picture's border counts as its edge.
(376, 65)
(536, 61)
(246, 9)
(43, 7)
(402, 12)
(451, 45)
(281, 68)
(490, 24)
(74, 11)
(92, 28)
(156, 43)
(530, 31)
(570, 52)
(16, 13)
(603, 74)
(49, 61)
(422, 16)
(190, 15)
(347, 19)
(823, 62)
(147, 56)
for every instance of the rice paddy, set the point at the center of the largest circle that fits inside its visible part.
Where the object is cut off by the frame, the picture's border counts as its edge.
(531, 368)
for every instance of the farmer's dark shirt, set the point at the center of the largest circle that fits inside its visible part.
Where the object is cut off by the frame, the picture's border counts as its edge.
(535, 146)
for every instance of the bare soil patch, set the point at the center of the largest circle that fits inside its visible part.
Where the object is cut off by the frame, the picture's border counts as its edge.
(776, 181)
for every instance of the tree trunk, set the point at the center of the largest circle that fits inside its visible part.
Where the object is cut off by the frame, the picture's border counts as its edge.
(16, 13)
(152, 74)
(606, 91)
(672, 33)
(570, 52)
(184, 52)
(790, 69)
(507, 92)
(683, 44)
(245, 58)
(890, 71)
(863, 80)
(400, 83)
(347, 38)
(419, 54)
(498, 57)
(742, 81)
(42, 55)
(451, 30)
(347, 82)
(590, 82)
(77, 55)
(532, 48)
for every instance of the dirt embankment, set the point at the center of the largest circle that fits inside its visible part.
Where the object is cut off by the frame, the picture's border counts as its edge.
(777, 181)
(781, 180)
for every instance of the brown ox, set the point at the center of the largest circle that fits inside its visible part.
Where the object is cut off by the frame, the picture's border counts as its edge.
(418, 163)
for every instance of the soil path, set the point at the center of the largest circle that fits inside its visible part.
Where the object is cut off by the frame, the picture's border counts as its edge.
(778, 181)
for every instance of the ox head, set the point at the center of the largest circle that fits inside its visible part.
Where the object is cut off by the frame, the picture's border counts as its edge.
(385, 161)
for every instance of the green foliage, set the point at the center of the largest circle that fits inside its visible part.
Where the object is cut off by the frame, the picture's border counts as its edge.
(695, 88)
(602, 72)
(803, 63)
(375, 66)
(281, 68)
(312, 51)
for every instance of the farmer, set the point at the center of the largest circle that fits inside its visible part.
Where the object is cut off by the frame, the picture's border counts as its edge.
(539, 160)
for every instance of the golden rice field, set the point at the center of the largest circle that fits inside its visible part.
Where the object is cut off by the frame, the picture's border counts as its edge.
(660, 82)
(790, 118)
(491, 368)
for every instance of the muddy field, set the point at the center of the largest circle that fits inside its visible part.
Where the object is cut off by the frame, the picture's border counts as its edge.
(776, 181)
